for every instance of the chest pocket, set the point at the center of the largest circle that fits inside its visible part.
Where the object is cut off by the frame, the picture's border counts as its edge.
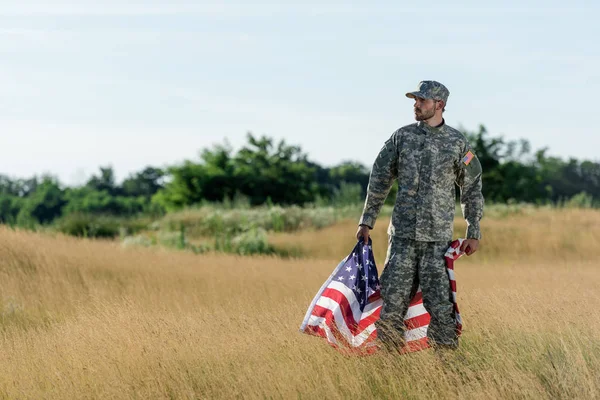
(410, 149)
(446, 157)
(445, 162)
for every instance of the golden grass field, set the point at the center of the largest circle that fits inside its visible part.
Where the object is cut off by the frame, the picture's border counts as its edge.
(90, 319)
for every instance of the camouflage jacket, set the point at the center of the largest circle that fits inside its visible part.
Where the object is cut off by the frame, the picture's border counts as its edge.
(427, 162)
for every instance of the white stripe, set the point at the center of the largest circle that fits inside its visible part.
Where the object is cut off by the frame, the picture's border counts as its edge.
(364, 335)
(371, 308)
(415, 311)
(338, 317)
(451, 274)
(349, 295)
(323, 287)
(415, 334)
(320, 322)
(354, 306)
(354, 341)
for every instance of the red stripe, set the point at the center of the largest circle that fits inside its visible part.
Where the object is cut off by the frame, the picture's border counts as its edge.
(418, 299)
(346, 310)
(355, 330)
(315, 330)
(415, 345)
(374, 297)
(329, 319)
(418, 321)
(363, 349)
(453, 286)
(344, 305)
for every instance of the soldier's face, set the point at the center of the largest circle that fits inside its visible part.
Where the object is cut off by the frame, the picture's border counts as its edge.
(424, 109)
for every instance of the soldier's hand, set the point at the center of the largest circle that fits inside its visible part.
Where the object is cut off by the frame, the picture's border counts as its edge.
(363, 233)
(469, 246)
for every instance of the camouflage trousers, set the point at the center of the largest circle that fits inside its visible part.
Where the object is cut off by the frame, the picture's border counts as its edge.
(408, 264)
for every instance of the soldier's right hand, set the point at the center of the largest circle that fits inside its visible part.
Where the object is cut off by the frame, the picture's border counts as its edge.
(363, 233)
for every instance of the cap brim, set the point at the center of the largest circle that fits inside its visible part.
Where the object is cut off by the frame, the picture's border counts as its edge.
(412, 95)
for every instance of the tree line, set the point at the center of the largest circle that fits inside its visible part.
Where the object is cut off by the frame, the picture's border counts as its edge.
(265, 171)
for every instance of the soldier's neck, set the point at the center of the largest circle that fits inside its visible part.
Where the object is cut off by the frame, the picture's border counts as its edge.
(435, 122)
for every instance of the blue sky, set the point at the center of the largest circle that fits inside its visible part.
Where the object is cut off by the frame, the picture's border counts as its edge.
(91, 83)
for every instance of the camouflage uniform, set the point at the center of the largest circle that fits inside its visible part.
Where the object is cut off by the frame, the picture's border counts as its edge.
(427, 162)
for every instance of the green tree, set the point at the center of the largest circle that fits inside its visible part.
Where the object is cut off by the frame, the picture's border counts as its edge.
(43, 205)
(145, 183)
(87, 200)
(279, 172)
(260, 171)
(104, 182)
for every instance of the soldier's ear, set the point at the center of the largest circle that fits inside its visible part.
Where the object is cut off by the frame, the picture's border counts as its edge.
(440, 104)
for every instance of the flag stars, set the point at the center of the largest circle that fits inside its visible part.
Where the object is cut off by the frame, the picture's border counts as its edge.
(353, 277)
(340, 278)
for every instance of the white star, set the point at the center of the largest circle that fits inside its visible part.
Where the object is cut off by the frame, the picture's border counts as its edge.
(373, 279)
(353, 277)
(365, 249)
(364, 278)
(348, 269)
(358, 291)
(368, 262)
(377, 287)
(341, 278)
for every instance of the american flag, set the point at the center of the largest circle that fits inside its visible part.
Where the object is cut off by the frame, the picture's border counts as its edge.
(468, 157)
(347, 305)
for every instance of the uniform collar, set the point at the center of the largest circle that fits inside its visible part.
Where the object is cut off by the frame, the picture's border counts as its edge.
(441, 128)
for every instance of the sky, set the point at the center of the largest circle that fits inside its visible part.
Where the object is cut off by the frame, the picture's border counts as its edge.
(86, 83)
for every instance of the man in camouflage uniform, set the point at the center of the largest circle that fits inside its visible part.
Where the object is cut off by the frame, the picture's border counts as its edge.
(427, 158)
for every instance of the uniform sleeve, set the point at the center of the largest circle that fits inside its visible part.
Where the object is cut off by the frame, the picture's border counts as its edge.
(383, 174)
(468, 178)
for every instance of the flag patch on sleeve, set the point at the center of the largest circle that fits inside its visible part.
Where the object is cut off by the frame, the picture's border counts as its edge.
(468, 157)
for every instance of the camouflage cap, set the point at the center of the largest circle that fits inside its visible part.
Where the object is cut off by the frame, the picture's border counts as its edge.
(430, 90)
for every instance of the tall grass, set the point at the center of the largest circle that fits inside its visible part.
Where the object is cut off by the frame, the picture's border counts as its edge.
(88, 319)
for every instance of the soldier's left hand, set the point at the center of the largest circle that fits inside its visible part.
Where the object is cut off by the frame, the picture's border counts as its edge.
(469, 246)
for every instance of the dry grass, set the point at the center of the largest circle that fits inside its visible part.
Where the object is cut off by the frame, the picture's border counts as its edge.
(535, 236)
(84, 319)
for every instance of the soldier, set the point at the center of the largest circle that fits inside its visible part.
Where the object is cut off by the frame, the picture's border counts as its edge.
(427, 158)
